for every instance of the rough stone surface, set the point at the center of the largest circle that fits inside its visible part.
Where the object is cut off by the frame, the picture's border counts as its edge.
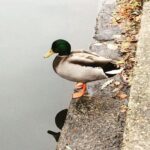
(106, 49)
(137, 133)
(97, 123)
(105, 30)
(94, 123)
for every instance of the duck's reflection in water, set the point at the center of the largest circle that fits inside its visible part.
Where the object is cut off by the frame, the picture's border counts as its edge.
(59, 121)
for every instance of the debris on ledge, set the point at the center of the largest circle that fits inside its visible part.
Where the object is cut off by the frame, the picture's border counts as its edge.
(137, 132)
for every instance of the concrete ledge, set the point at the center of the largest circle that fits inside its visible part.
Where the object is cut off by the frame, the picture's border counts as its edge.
(93, 124)
(97, 123)
(137, 132)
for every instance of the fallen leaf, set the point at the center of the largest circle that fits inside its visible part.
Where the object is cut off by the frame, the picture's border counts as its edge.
(125, 45)
(123, 108)
(120, 62)
(121, 95)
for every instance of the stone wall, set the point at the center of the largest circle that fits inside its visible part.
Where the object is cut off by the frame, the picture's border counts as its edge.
(137, 132)
(96, 123)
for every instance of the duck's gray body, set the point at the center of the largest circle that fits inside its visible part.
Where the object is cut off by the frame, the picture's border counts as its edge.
(81, 66)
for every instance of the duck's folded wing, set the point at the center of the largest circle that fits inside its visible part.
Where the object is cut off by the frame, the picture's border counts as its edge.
(88, 59)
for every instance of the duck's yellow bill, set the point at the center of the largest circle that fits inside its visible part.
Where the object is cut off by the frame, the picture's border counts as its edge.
(48, 54)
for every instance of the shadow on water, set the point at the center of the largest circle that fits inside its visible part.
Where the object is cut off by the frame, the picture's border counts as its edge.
(59, 121)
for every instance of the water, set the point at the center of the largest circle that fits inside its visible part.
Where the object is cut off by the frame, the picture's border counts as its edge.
(31, 93)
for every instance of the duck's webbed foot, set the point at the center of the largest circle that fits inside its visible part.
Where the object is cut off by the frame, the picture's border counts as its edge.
(80, 89)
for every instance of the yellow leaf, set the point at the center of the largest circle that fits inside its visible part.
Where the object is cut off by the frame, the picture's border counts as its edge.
(119, 62)
(125, 45)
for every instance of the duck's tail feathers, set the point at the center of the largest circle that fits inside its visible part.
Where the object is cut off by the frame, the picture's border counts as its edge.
(113, 72)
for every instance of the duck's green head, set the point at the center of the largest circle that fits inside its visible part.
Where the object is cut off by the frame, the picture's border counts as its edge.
(62, 47)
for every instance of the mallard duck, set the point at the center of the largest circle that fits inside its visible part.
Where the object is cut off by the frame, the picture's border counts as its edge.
(80, 66)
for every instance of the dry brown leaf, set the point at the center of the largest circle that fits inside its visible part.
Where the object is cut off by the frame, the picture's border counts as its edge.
(123, 108)
(121, 95)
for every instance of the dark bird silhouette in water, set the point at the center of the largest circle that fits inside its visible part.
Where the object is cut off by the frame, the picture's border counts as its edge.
(59, 121)
(60, 118)
(56, 135)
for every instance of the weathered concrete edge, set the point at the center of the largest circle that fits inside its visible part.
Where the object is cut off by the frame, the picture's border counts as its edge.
(96, 123)
(137, 130)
